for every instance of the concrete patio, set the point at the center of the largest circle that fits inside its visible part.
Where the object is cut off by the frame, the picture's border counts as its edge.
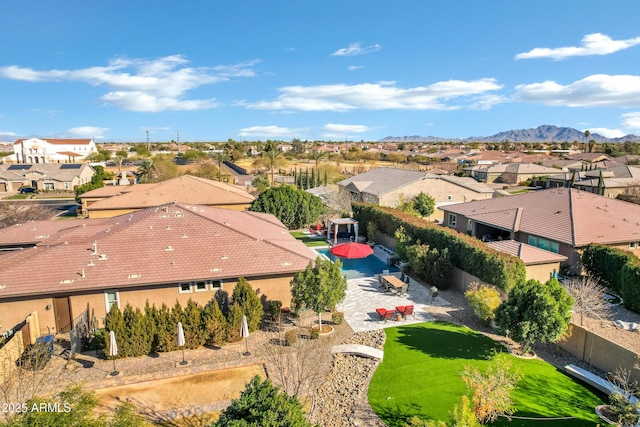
(365, 295)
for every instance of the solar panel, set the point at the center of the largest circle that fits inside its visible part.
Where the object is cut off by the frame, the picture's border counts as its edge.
(19, 167)
(71, 166)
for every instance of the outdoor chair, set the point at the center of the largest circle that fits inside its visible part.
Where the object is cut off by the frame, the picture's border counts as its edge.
(403, 290)
(408, 311)
(385, 314)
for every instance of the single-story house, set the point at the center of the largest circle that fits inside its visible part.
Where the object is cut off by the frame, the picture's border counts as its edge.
(560, 220)
(51, 150)
(390, 187)
(163, 254)
(110, 201)
(44, 176)
(510, 173)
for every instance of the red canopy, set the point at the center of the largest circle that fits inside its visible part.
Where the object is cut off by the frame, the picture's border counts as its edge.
(352, 250)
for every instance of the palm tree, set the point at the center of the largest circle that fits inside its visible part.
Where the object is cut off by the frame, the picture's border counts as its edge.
(586, 137)
(220, 157)
(272, 157)
(317, 156)
(146, 169)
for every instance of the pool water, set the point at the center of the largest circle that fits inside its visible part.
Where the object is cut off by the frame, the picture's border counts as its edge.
(359, 267)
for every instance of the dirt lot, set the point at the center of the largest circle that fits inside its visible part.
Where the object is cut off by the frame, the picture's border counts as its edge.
(177, 392)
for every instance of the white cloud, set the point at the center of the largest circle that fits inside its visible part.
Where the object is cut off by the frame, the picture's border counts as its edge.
(355, 49)
(6, 134)
(608, 133)
(335, 127)
(592, 44)
(631, 121)
(140, 84)
(341, 131)
(598, 90)
(87, 132)
(354, 67)
(375, 96)
(270, 131)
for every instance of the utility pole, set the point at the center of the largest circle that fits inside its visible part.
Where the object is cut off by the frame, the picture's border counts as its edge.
(178, 140)
(148, 144)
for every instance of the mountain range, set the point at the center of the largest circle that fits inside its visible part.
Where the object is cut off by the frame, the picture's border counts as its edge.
(544, 133)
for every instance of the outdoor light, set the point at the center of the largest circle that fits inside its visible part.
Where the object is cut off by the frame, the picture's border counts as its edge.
(48, 307)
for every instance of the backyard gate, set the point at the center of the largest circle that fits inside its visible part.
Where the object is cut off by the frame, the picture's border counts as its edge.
(79, 335)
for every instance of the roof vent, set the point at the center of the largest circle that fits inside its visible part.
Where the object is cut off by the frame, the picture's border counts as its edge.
(179, 215)
(226, 223)
(91, 264)
(33, 229)
(215, 269)
(164, 216)
(150, 227)
(169, 228)
(134, 276)
(102, 256)
(82, 274)
(66, 281)
(184, 236)
(224, 257)
(217, 234)
(42, 236)
(108, 230)
(168, 248)
(286, 264)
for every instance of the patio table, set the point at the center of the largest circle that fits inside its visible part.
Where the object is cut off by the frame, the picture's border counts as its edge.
(393, 281)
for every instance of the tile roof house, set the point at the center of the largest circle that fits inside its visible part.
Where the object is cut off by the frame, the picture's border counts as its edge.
(39, 150)
(509, 173)
(44, 176)
(390, 186)
(560, 220)
(110, 201)
(160, 254)
(539, 264)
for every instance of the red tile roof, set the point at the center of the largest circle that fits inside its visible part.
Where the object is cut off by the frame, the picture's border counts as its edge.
(185, 188)
(561, 214)
(530, 255)
(168, 244)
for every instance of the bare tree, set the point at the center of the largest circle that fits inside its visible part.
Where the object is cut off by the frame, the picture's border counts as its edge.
(297, 368)
(588, 298)
(19, 213)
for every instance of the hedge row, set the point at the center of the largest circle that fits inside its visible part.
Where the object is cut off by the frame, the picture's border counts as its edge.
(618, 269)
(466, 253)
(153, 330)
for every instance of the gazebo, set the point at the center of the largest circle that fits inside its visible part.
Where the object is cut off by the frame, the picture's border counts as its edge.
(335, 233)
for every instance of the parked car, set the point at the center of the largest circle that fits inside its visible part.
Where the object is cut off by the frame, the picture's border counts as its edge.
(25, 190)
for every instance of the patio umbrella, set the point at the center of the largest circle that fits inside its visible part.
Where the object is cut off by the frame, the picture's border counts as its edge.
(352, 250)
(181, 341)
(244, 333)
(113, 351)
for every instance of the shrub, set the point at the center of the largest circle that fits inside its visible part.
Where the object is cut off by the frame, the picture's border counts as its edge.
(246, 298)
(483, 300)
(337, 317)
(605, 263)
(214, 323)
(314, 333)
(291, 337)
(275, 308)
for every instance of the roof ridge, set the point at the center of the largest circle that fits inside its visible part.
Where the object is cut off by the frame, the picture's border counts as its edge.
(571, 221)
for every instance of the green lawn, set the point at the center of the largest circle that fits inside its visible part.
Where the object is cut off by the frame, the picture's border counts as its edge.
(421, 375)
(308, 240)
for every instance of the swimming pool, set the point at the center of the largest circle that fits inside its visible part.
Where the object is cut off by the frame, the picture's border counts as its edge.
(359, 267)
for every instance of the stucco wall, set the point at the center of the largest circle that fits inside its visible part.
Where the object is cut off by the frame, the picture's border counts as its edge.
(599, 352)
(13, 313)
(439, 189)
(542, 272)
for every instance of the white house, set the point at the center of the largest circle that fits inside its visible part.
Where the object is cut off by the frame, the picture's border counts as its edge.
(36, 150)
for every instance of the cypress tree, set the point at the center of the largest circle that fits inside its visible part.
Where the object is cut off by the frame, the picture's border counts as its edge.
(195, 336)
(313, 178)
(214, 323)
(245, 297)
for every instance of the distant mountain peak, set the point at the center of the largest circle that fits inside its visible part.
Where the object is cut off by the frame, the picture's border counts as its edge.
(543, 133)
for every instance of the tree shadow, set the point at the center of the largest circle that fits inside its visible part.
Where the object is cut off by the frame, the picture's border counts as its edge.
(395, 415)
(448, 343)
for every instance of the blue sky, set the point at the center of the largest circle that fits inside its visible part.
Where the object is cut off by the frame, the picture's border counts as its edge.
(335, 70)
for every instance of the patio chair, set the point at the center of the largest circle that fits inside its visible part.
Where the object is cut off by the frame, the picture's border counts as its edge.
(403, 290)
(408, 311)
(400, 309)
(385, 314)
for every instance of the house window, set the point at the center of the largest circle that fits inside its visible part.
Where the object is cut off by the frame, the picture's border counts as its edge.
(469, 225)
(634, 245)
(66, 185)
(111, 299)
(545, 244)
(200, 286)
(48, 186)
(184, 288)
(453, 218)
(216, 284)
(449, 196)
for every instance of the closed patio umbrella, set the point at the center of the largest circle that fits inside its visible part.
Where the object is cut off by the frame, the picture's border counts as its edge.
(113, 351)
(244, 333)
(181, 341)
